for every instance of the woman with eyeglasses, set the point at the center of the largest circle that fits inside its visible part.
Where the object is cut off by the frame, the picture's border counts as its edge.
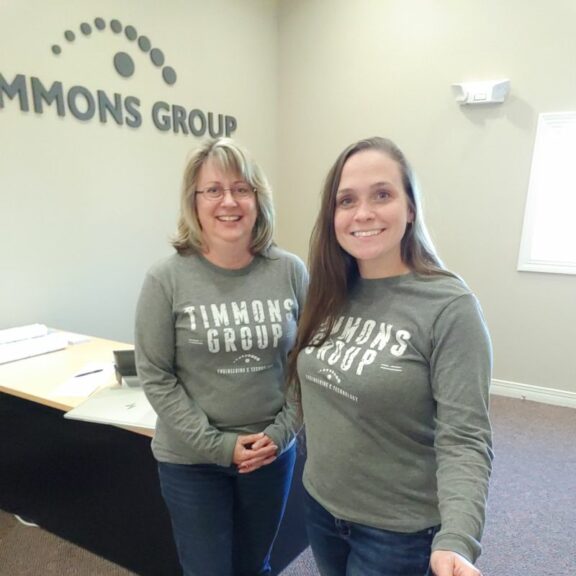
(393, 363)
(214, 324)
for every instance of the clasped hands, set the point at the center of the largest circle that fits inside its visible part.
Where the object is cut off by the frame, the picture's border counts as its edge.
(253, 451)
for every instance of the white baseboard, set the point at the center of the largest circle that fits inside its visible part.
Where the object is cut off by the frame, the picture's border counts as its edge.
(534, 393)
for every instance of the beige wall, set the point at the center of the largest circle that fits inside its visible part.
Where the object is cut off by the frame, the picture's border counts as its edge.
(355, 69)
(86, 207)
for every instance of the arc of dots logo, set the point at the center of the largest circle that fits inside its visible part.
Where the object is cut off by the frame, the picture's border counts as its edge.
(330, 374)
(247, 358)
(123, 62)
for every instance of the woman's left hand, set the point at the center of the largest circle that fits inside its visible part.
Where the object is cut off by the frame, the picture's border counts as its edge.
(263, 452)
(446, 563)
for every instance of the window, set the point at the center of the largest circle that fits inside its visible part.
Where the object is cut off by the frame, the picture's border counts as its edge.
(549, 232)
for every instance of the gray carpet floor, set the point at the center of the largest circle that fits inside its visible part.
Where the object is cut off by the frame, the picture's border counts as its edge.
(530, 531)
(30, 551)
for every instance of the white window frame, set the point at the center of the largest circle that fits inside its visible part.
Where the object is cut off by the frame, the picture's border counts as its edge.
(551, 201)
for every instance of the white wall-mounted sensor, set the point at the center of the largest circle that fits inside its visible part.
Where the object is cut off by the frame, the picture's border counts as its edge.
(484, 92)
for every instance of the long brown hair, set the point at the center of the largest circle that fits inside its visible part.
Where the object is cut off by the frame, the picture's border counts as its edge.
(333, 272)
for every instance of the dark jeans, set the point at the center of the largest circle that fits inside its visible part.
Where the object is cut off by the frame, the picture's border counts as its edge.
(344, 548)
(225, 523)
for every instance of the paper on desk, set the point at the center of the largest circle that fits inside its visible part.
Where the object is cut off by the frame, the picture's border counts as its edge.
(74, 338)
(22, 333)
(90, 377)
(20, 349)
(116, 405)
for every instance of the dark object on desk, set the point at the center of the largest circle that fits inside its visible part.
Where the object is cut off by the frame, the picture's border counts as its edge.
(125, 367)
(95, 371)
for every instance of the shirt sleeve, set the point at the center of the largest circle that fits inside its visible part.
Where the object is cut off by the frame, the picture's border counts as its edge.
(155, 364)
(461, 367)
(288, 421)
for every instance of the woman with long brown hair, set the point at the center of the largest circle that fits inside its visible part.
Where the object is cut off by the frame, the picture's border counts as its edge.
(393, 364)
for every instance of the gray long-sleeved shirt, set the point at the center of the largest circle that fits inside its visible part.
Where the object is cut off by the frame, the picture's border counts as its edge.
(211, 347)
(396, 411)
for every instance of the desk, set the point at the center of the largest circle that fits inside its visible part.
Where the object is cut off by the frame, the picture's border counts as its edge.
(36, 378)
(92, 484)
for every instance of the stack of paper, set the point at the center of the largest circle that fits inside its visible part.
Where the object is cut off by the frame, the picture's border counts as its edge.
(22, 333)
(25, 341)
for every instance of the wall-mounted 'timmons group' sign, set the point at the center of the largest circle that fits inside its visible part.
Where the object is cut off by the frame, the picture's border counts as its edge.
(85, 104)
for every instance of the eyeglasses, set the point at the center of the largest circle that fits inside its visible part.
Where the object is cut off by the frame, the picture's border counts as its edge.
(238, 191)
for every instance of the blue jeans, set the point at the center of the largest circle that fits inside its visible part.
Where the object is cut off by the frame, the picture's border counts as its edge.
(225, 523)
(344, 548)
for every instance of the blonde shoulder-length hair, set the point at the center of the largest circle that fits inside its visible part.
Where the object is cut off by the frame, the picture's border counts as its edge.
(230, 158)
